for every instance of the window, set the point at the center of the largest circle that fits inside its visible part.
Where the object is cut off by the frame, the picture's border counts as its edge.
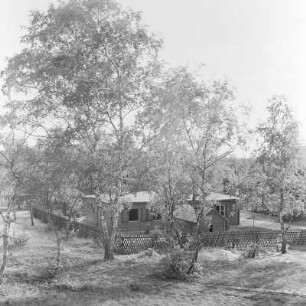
(211, 228)
(133, 214)
(221, 209)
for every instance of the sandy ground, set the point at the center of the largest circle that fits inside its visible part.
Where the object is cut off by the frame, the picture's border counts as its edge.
(228, 278)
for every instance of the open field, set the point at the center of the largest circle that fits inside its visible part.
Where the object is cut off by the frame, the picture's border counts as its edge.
(228, 278)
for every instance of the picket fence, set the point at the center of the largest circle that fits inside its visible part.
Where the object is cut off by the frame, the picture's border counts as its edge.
(134, 243)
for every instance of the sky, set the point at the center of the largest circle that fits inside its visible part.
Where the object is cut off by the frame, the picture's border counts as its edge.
(259, 46)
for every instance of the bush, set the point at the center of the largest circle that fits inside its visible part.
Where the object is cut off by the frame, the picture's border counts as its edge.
(177, 264)
(135, 286)
(252, 250)
(64, 282)
(156, 233)
(50, 271)
(19, 241)
(149, 252)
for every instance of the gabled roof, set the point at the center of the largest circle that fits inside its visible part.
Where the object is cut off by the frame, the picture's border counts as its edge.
(215, 196)
(138, 197)
(186, 212)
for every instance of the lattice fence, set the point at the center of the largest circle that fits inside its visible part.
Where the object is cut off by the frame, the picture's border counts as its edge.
(129, 244)
(269, 240)
(241, 240)
(132, 243)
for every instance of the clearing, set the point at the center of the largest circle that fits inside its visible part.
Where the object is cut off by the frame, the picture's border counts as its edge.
(228, 278)
(259, 221)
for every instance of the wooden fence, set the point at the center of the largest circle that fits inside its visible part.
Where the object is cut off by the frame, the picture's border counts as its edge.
(124, 244)
(133, 243)
(83, 230)
(242, 240)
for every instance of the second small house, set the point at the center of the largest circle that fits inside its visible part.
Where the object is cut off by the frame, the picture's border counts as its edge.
(223, 214)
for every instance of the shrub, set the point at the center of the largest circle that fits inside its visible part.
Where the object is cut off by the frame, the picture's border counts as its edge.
(18, 241)
(149, 252)
(156, 233)
(50, 271)
(177, 264)
(135, 286)
(64, 282)
(252, 250)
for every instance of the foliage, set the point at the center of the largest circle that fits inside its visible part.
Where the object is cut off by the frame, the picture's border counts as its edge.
(283, 176)
(177, 264)
(169, 180)
(19, 240)
(200, 116)
(89, 65)
(252, 250)
(135, 286)
(50, 271)
(13, 147)
(156, 233)
(63, 282)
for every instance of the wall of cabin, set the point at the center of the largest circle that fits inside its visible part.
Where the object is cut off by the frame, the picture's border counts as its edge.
(231, 211)
(219, 224)
(144, 223)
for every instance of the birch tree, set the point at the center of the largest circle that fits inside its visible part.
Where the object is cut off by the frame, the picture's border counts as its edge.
(202, 116)
(278, 153)
(13, 148)
(169, 179)
(88, 65)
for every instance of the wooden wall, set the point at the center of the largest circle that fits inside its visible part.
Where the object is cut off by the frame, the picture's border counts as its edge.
(144, 224)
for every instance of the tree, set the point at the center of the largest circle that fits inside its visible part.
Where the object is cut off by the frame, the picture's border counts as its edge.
(13, 148)
(202, 117)
(278, 154)
(245, 178)
(169, 179)
(89, 66)
(71, 199)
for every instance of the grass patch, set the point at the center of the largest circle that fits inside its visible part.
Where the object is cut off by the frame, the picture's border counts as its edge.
(85, 279)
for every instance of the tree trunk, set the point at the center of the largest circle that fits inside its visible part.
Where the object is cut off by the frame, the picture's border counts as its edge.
(58, 253)
(14, 213)
(197, 242)
(194, 259)
(31, 214)
(200, 215)
(6, 230)
(284, 244)
(107, 239)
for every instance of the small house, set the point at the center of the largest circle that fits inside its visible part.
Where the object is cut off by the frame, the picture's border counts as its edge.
(137, 219)
(223, 213)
